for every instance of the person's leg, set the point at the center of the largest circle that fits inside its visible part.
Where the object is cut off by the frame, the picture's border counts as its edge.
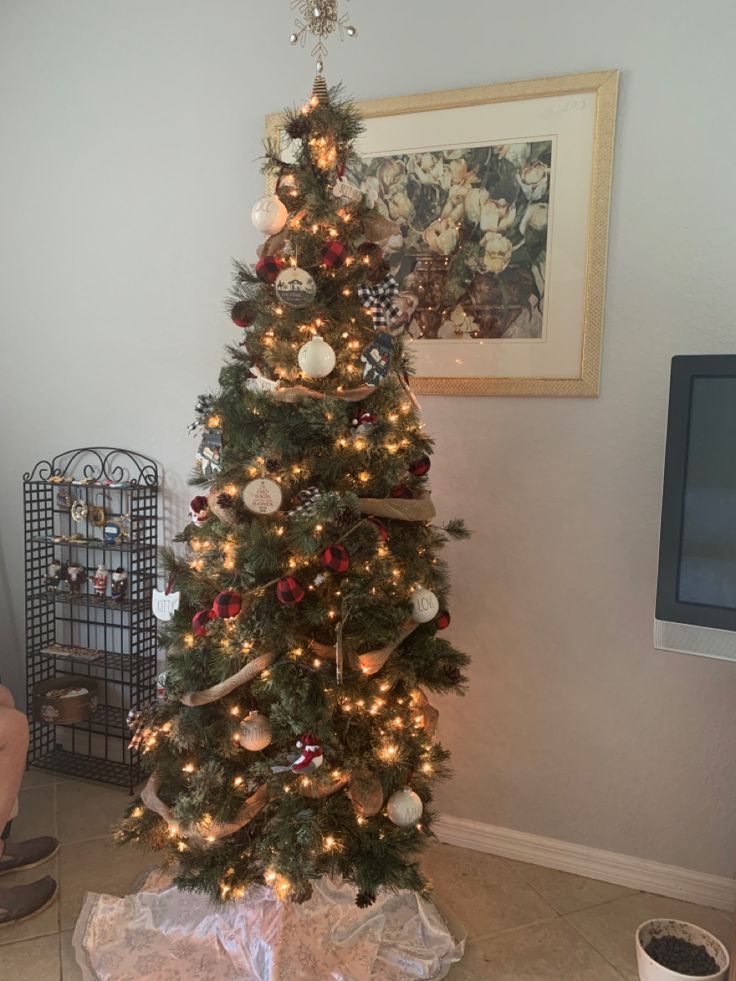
(13, 750)
(6, 698)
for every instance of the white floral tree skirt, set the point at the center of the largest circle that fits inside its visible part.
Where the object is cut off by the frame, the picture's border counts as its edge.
(162, 934)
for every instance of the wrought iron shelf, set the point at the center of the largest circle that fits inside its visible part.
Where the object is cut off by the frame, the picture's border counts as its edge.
(85, 599)
(106, 720)
(96, 543)
(85, 767)
(107, 662)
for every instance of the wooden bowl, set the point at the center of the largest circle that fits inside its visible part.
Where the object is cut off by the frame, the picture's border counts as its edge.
(58, 709)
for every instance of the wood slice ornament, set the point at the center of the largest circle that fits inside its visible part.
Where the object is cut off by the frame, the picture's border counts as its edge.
(365, 792)
(255, 732)
(295, 287)
(262, 496)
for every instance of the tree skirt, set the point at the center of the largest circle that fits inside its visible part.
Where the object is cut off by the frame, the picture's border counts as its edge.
(162, 934)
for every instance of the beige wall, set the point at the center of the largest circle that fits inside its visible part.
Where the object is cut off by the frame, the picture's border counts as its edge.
(129, 134)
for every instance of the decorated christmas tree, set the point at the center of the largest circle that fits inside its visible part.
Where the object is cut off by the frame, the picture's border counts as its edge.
(294, 737)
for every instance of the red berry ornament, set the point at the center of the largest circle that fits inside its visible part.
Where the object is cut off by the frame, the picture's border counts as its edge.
(443, 619)
(421, 467)
(333, 254)
(401, 490)
(268, 267)
(243, 314)
(289, 591)
(335, 559)
(380, 527)
(200, 622)
(227, 605)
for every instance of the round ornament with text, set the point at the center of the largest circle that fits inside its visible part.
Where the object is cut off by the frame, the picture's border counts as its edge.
(424, 605)
(316, 358)
(295, 287)
(404, 807)
(269, 214)
(262, 496)
(255, 732)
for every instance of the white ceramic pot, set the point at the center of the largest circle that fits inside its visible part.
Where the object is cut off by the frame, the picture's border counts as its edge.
(650, 970)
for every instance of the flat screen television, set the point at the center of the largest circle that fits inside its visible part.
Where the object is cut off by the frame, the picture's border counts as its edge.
(696, 583)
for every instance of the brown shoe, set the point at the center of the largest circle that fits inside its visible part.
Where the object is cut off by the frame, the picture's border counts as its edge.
(27, 854)
(19, 903)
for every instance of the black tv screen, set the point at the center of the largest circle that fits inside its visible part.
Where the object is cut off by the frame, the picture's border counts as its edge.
(697, 552)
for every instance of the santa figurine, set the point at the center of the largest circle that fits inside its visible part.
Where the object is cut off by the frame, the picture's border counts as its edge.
(363, 423)
(76, 577)
(199, 512)
(100, 582)
(119, 585)
(311, 757)
(53, 576)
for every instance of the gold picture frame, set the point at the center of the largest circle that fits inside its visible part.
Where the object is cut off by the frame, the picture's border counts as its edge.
(565, 109)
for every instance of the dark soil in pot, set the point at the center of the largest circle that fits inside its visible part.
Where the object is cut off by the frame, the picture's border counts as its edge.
(681, 956)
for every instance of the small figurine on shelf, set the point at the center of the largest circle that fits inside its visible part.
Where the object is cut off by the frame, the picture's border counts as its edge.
(75, 577)
(53, 576)
(119, 586)
(100, 582)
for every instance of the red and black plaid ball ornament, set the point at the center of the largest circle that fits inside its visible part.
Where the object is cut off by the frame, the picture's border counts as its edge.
(289, 591)
(380, 527)
(443, 619)
(420, 467)
(335, 558)
(243, 314)
(227, 605)
(401, 490)
(333, 254)
(200, 622)
(268, 267)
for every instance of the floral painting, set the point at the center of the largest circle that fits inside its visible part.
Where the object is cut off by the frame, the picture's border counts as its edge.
(466, 234)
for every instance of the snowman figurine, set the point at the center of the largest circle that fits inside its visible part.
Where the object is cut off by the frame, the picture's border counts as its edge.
(100, 582)
(53, 576)
(311, 757)
(363, 423)
(119, 585)
(76, 577)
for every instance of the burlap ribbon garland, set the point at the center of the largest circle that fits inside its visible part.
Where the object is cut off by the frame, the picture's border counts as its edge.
(242, 677)
(372, 661)
(317, 790)
(293, 393)
(211, 831)
(402, 509)
(430, 715)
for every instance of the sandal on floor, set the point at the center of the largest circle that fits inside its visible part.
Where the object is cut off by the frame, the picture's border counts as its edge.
(19, 903)
(27, 854)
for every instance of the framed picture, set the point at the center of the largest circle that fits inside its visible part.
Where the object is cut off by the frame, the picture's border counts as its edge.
(496, 203)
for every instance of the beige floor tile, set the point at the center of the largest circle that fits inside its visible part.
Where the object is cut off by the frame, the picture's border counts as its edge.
(37, 813)
(70, 970)
(550, 951)
(31, 960)
(97, 866)
(37, 778)
(38, 926)
(484, 892)
(570, 893)
(88, 810)
(610, 928)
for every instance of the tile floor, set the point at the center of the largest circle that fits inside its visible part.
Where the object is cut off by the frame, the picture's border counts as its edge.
(524, 923)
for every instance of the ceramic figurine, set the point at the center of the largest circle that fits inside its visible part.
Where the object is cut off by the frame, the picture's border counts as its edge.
(100, 582)
(53, 576)
(75, 577)
(119, 585)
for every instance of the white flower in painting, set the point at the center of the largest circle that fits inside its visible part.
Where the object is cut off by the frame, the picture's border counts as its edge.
(441, 236)
(453, 154)
(535, 219)
(516, 153)
(390, 173)
(474, 201)
(498, 252)
(426, 168)
(497, 216)
(394, 243)
(371, 188)
(458, 325)
(400, 206)
(458, 172)
(533, 180)
(454, 208)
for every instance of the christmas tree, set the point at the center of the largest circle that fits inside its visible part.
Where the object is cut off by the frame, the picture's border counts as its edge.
(295, 738)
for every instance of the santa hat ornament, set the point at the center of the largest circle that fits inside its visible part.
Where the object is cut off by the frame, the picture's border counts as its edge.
(363, 423)
(199, 510)
(335, 558)
(311, 757)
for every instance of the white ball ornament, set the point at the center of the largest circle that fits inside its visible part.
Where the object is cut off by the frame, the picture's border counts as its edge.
(269, 214)
(404, 807)
(424, 605)
(295, 287)
(316, 358)
(255, 732)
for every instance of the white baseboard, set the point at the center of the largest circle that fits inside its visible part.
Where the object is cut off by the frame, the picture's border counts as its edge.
(595, 863)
